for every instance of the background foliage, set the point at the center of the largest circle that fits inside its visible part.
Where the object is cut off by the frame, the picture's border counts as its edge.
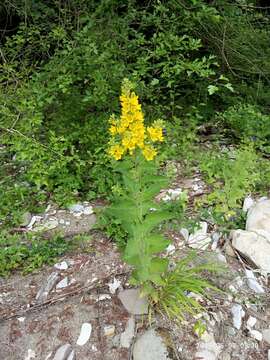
(203, 66)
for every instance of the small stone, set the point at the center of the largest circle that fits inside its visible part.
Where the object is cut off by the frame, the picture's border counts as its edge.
(25, 219)
(64, 352)
(30, 355)
(266, 335)
(269, 354)
(62, 221)
(133, 302)
(128, 334)
(62, 284)
(76, 208)
(109, 330)
(253, 283)
(238, 313)
(251, 321)
(215, 237)
(170, 249)
(61, 266)
(185, 233)
(231, 331)
(256, 335)
(103, 297)
(21, 319)
(229, 250)
(48, 225)
(150, 346)
(85, 334)
(47, 287)
(88, 210)
(200, 239)
(208, 349)
(172, 194)
(114, 285)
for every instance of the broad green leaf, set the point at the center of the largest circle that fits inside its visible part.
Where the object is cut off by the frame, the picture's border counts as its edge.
(156, 243)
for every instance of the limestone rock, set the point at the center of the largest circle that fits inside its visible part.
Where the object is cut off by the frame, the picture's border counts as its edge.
(85, 334)
(259, 216)
(208, 349)
(133, 303)
(254, 246)
(266, 335)
(150, 346)
(200, 239)
(64, 352)
(47, 287)
(128, 334)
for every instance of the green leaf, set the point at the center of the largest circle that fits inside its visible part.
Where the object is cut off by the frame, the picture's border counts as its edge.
(156, 243)
(154, 219)
(212, 89)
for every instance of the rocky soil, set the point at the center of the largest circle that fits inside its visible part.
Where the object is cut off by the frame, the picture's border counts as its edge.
(83, 307)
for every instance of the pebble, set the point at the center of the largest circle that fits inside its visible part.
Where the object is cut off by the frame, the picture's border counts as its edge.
(26, 218)
(76, 208)
(150, 346)
(170, 249)
(238, 313)
(30, 355)
(114, 285)
(47, 287)
(208, 349)
(48, 225)
(269, 354)
(64, 352)
(61, 266)
(109, 330)
(256, 335)
(253, 283)
(200, 239)
(88, 210)
(133, 302)
(85, 334)
(185, 233)
(63, 283)
(251, 321)
(127, 336)
(172, 194)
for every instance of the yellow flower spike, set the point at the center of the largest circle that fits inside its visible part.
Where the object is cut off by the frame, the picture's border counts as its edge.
(128, 131)
(155, 133)
(149, 152)
(116, 151)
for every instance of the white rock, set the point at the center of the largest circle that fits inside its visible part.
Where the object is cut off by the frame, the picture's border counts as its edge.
(64, 352)
(109, 330)
(208, 349)
(62, 284)
(254, 246)
(150, 346)
(85, 334)
(237, 313)
(62, 221)
(269, 354)
(256, 335)
(266, 335)
(61, 266)
(259, 216)
(200, 239)
(47, 287)
(185, 233)
(76, 208)
(104, 297)
(48, 225)
(127, 336)
(248, 203)
(170, 249)
(133, 302)
(30, 355)
(172, 194)
(114, 285)
(21, 319)
(215, 237)
(88, 210)
(253, 283)
(34, 219)
(251, 321)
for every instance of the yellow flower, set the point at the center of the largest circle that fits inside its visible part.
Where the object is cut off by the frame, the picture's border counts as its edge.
(116, 151)
(128, 131)
(155, 133)
(149, 152)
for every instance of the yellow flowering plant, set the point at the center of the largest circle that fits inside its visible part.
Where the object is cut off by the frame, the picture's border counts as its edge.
(133, 148)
